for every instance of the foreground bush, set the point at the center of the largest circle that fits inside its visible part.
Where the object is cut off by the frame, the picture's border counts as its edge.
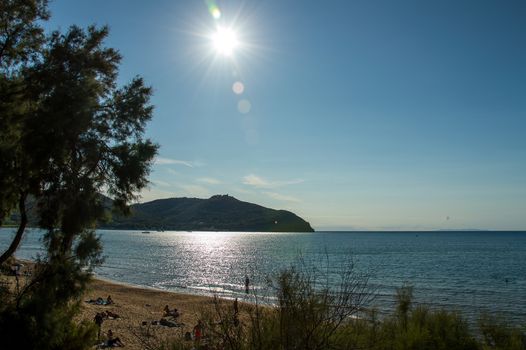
(41, 313)
(408, 328)
(497, 334)
(309, 316)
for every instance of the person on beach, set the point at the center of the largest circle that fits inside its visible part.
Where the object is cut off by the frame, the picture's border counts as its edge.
(113, 341)
(247, 282)
(99, 318)
(101, 301)
(173, 313)
(98, 301)
(198, 333)
(236, 307)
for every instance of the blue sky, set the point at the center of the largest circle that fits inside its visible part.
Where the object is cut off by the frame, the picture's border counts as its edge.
(354, 115)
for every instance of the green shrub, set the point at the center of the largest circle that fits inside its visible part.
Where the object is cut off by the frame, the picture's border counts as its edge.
(498, 334)
(41, 314)
(308, 315)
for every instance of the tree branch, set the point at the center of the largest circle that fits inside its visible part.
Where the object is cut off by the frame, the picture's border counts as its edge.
(21, 228)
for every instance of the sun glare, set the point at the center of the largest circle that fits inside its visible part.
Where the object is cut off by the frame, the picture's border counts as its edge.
(225, 41)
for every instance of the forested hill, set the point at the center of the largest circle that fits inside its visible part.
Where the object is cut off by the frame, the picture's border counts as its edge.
(218, 213)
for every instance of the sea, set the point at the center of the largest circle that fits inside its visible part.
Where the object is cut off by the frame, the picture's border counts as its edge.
(472, 272)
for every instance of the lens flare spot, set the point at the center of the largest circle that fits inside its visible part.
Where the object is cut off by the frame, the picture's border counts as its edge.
(216, 13)
(244, 106)
(213, 9)
(238, 88)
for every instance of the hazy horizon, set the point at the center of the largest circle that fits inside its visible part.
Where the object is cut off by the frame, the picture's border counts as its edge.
(363, 115)
(364, 229)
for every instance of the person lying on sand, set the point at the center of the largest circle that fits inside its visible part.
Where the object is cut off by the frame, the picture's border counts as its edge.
(100, 301)
(163, 322)
(111, 315)
(168, 323)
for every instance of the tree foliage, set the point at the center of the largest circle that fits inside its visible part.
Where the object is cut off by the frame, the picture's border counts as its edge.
(86, 134)
(68, 135)
(20, 34)
(20, 41)
(79, 136)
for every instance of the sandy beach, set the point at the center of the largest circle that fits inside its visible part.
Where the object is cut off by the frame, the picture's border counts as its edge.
(139, 309)
(136, 305)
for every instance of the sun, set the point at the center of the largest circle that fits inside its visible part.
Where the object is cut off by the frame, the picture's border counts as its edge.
(225, 41)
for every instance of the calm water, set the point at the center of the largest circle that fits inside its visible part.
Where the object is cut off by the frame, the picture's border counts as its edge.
(466, 271)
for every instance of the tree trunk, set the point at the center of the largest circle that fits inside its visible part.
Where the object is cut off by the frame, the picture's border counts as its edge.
(21, 228)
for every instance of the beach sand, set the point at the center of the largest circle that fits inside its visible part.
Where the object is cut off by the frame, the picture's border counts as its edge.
(136, 305)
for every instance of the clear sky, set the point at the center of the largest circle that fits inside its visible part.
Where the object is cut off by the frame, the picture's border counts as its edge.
(354, 114)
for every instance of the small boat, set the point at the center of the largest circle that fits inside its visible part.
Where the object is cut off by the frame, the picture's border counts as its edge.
(145, 232)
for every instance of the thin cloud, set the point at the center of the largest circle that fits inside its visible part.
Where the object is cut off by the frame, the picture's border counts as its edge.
(258, 181)
(161, 183)
(282, 197)
(209, 180)
(170, 161)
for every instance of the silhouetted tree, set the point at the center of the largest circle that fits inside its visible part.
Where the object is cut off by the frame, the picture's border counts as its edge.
(82, 137)
(21, 39)
(71, 136)
(86, 136)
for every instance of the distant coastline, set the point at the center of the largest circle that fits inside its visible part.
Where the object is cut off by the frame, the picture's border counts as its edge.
(217, 213)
